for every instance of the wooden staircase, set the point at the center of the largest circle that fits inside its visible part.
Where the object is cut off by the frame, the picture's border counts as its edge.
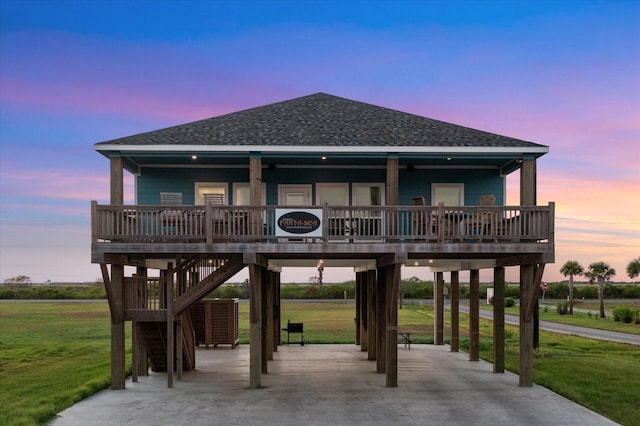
(153, 322)
(214, 280)
(154, 335)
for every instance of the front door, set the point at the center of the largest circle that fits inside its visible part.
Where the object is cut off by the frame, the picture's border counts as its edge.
(294, 195)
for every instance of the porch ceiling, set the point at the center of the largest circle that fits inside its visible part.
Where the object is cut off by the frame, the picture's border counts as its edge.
(436, 265)
(135, 162)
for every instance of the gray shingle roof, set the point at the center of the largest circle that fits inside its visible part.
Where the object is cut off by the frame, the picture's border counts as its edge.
(321, 120)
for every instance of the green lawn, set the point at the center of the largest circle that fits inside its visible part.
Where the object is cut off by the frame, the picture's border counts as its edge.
(54, 354)
(51, 356)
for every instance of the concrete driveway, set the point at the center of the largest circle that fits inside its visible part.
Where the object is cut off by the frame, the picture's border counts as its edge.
(332, 385)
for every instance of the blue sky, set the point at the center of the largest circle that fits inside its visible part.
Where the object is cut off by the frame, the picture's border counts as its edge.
(72, 73)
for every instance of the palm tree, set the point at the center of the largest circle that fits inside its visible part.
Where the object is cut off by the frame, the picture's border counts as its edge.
(633, 268)
(571, 268)
(599, 272)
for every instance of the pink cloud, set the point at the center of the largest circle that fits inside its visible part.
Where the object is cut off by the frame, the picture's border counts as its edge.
(61, 184)
(105, 99)
(596, 219)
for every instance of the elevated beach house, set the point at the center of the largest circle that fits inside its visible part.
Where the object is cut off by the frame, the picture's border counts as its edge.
(315, 181)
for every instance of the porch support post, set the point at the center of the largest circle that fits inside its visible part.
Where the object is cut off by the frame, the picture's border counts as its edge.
(255, 180)
(391, 193)
(381, 311)
(279, 308)
(392, 181)
(117, 180)
(135, 354)
(474, 315)
(275, 303)
(528, 197)
(117, 286)
(265, 320)
(357, 317)
(455, 311)
(117, 328)
(371, 314)
(528, 183)
(170, 332)
(538, 271)
(498, 319)
(140, 362)
(364, 311)
(393, 282)
(269, 314)
(438, 305)
(255, 326)
(255, 193)
(526, 326)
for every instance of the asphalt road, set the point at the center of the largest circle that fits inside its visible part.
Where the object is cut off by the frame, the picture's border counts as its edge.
(573, 330)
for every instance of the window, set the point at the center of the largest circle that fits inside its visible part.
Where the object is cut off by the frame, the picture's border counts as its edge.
(451, 194)
(368, 194)
(369, 222)
(242, 194)
(202, 188)
(333, 194)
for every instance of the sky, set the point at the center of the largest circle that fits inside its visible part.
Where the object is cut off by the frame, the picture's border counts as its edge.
(565, 74)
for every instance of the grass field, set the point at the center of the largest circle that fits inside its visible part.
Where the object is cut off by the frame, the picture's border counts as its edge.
(55, 354)
(51, 356)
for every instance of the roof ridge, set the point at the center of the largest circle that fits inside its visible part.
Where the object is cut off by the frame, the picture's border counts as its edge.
(320, 119)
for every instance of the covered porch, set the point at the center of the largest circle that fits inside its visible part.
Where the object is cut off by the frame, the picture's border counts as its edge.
(188, 277)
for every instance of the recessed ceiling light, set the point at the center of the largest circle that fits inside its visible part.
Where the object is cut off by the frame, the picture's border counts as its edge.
(324, 157)
(194, 157)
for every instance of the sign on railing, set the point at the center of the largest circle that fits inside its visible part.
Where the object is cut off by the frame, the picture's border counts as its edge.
(298, 223)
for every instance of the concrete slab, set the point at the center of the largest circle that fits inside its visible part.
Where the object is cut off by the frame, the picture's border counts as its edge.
(331, 385)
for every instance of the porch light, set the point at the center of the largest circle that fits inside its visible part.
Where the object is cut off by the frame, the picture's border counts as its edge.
(323, 158)
(448, 158)
(194, 157)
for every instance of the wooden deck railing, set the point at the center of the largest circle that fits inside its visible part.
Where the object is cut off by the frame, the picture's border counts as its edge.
(339, 224)
(146, 297)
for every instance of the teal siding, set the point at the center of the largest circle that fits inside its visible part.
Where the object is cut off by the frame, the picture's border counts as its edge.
(418, 182)
(153, 181)
(312, 176)
(412, 183)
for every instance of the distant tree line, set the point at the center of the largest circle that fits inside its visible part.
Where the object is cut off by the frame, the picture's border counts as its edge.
(411, 288)
(18, 280)
(416, 289)
(26, 292)
(598, 272)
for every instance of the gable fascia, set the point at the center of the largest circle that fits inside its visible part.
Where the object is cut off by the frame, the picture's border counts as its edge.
(472, 150)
